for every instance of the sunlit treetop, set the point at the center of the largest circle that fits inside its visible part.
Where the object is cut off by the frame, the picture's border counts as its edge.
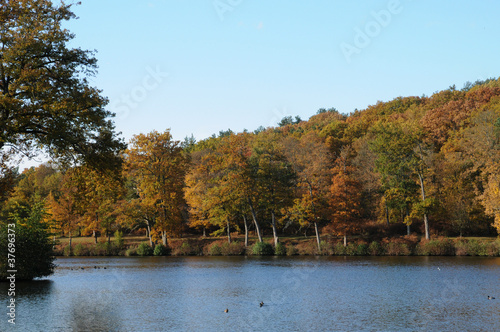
(46, 102)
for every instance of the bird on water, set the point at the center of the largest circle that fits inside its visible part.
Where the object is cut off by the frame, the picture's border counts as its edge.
(261, 303)
(490, 297)
(226, 311)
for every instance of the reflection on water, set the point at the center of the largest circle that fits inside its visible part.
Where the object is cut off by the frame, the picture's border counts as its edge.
(34, 289)
(300, 294)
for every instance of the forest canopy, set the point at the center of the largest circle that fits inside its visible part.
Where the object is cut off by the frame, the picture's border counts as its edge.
(413, 165)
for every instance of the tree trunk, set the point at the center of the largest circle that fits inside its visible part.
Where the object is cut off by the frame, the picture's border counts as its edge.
(426, 221)
(97, 223)
(408, 231)
(164, 238)
(204, 232)
(109, 237)
(149, 235)
(317, 236)
(345, 240)
(275, 232)
(70, 240)
(426, 225)
(245, 222)
(254, 217)
(387, 215)
(228, 231)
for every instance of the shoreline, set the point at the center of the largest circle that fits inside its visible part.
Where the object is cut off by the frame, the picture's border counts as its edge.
(402, 246)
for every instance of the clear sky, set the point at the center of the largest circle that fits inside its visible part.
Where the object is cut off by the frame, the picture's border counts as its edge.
(202, 66)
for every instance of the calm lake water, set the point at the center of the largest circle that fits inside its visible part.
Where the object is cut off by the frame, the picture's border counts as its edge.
(299, 294)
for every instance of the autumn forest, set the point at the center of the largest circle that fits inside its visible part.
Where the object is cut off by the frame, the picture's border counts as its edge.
(426, 165)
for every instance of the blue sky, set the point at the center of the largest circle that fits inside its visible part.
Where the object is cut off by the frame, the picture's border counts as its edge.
(202, 66)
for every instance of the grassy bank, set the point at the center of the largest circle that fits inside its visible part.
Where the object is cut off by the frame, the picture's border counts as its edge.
(198, 246)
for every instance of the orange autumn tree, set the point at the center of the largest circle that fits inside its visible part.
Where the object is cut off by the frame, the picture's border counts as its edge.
(222, 198)
(480, 144)
(95, 193)
(209, 199)
(157, 165)
(311, 160)
(238, 180)
(344, 198)
(197, 185)
(63, 209)
(221, 187)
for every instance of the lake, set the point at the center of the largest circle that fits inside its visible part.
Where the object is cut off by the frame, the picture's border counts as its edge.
(299, 294)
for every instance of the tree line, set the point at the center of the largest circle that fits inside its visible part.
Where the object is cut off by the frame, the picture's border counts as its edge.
(429, 164)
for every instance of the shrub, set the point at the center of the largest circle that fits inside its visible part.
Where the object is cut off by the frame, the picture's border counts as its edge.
(351, 249)
(131, 252)
(67, 251)
(185, 247)
(362, 249)
(440, 247)
(339, 249)
(461, 248)
(119, 241)
(280, 249)
(291, 250)
(397, 249)
(81, 250)
(234, 248)
(103, 249)
(375, 249)
(326, 248)
(144, 249)
(471, 248)
(307, 248)
(160, 250)
(96, 249)
(262, 249)
(214, 249)
(476, 248)
(493, 248)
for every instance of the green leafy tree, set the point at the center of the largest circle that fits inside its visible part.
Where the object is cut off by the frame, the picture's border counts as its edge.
(32, 247)
(45, 98)
(275, 177)
(401, 159)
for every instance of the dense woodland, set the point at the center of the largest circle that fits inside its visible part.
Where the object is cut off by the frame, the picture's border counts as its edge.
(426, 166)
(413, 165)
